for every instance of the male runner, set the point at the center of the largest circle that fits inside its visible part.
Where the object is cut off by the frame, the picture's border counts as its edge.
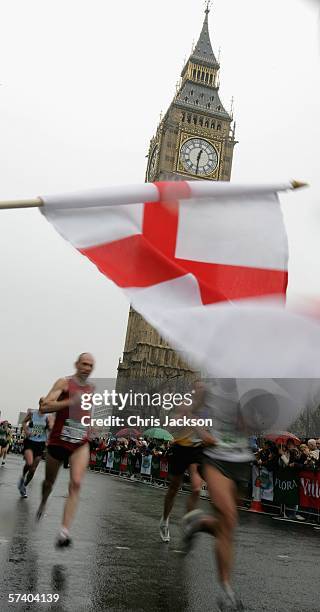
(36, 427)
(226, 469)
(69, 439)
(186, 454)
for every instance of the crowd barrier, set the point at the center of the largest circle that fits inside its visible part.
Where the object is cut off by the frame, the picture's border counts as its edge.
(283, 487)
(287, 487)
(151, 466)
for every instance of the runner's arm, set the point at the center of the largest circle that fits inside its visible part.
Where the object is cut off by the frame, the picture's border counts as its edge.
(50, 403)
(50, 422)
(25, 421)
(206, 437)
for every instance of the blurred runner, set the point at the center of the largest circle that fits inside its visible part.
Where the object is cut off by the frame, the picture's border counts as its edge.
(186, 454)
(226, 469)
(36, 428)
(69, 439)
(5, 440)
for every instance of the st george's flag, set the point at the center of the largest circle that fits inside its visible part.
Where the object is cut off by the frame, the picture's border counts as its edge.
(205, 263)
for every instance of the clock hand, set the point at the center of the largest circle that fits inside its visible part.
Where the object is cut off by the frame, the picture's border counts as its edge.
(198, 159)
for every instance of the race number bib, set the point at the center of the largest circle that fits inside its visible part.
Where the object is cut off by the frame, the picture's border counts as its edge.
(74, 432)
(232, 442)
(38, 431)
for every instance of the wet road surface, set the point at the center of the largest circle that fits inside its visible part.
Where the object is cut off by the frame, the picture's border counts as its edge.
(118, 564)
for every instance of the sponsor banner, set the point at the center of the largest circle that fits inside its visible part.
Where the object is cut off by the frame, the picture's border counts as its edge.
(262, 483)
(99, 458)
(146, 465)
(310, 490)
(116, 461)
(164, 468)
(155, 466)
(286, 487)
(124, 463)
(110, 459)
(93, 457)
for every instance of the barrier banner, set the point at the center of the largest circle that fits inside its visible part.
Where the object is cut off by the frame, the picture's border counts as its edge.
(137, 466)
(164, 468)
(93, 457)
(310, 490)
(99, 458)
(116, 461)
(265, 483)
(124, 463)
(110, 459)
(146, 465)
(286, 487)
(155, 466)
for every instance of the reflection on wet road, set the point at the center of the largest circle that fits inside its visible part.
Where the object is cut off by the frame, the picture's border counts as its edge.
(117, 562)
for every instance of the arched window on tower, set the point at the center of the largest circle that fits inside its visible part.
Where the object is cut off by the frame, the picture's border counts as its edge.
(213, 125)
(195, 121)
(198, 74)
(201, 121)
(191, 92)
(208, 105)
(186, 99)
(211, 79)
(189, 118)
(194, 73)
(219, 127)
(197, 102)
(207, 77)
(219, 108)
(206, 123)
(202, 76)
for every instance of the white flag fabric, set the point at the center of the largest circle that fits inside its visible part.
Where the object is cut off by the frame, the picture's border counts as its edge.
(206, 264)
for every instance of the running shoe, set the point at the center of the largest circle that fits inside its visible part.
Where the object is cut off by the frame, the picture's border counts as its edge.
(164, 530)
(22, 488)
(63, 541)
(191, 525)
(225, 603)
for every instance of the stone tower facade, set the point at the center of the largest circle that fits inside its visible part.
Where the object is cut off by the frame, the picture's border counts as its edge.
(194, 140)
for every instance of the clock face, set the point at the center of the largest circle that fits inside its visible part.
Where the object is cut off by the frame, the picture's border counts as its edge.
(153, 163)
(198, 156)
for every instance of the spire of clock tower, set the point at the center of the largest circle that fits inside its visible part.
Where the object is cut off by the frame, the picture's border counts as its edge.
(203, 51)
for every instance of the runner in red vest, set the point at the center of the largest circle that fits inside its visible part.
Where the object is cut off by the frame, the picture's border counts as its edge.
(69, 439)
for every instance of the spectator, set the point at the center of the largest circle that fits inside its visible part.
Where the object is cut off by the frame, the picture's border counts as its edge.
(290, 458)
(314, 451)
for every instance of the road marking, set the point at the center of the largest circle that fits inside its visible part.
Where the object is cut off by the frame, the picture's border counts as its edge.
(3, 541)
(179, 552)
(123, 547)
(283, 557)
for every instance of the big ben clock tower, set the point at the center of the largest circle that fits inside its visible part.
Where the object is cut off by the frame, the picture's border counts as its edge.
(195, 141)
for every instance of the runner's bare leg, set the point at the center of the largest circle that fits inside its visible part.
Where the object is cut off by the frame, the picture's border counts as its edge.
(222, 493)
(196, 485)
(32, 469)
(79, 461)
(52, 469)
(174, 486)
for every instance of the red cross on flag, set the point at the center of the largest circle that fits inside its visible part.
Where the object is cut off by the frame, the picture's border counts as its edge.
(205, 263)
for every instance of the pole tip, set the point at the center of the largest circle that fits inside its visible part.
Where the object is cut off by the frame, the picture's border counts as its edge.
(298, 184)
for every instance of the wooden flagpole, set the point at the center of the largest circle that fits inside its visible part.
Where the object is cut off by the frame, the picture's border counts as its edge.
(38, 202)
(31, 203)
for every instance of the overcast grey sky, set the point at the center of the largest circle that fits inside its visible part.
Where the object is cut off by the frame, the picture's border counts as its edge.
(82, 86)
